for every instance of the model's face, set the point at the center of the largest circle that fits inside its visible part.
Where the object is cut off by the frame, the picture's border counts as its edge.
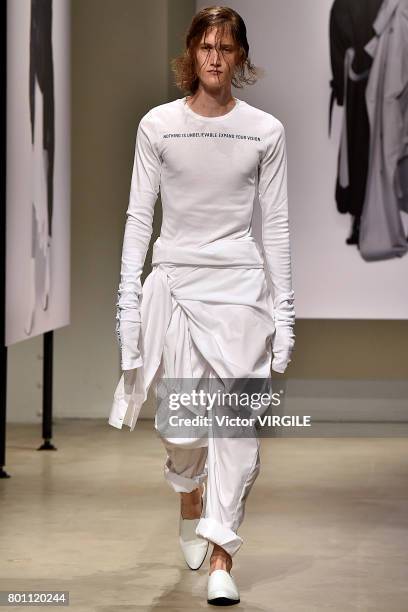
(215, 59)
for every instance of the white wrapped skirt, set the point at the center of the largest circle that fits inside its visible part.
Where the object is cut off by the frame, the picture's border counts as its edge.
(219, 295)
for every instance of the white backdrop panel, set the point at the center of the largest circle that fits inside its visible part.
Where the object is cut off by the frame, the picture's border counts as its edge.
(290, 40)
(25, 275)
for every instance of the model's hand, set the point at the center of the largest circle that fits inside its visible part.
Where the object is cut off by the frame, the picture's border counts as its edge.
(282, 346)
(128, 333)
(283, 340)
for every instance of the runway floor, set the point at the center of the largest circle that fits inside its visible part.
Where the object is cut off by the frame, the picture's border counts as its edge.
(326, 526)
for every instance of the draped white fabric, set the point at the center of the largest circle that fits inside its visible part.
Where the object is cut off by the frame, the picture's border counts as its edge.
(226, 305)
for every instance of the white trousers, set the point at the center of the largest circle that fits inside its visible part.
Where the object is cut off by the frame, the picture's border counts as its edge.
(229, 465)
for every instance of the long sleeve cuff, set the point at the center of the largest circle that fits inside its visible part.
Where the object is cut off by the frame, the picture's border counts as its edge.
(284, 337)
(284, 309)
(128, 334)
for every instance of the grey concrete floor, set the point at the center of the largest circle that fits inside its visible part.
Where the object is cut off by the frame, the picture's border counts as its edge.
(326, 525)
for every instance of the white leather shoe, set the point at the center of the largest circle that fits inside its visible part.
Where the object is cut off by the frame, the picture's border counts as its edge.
(194, 547)
(222, 590)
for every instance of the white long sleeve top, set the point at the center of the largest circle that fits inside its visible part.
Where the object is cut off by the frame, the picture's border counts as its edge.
(208, 170)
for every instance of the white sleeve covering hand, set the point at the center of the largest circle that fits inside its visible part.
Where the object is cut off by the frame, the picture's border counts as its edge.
(145, 186)
(273, 200)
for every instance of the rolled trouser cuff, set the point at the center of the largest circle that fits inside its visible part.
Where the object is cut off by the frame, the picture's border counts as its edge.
(212, 530)
(182, 484)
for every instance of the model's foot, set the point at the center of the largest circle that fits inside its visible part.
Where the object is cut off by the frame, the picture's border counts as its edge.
(191, 503)
(220, 559)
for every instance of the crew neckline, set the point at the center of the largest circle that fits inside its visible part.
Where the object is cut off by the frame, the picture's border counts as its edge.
(203, 117)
